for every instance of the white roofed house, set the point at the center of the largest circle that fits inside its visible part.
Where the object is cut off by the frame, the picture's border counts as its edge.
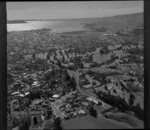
(92, 100)
(109, 86)
(35, 83)
(88, 86)
(84, 103)
(56, 96)
(15, 93)
(21, 95)
(27, 93)
(81, 112)
(37, 101)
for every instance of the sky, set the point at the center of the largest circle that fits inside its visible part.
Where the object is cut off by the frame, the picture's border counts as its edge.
(63, 10)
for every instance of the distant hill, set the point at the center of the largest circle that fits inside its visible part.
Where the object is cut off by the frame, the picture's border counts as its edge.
(119, 22)
(126, 19)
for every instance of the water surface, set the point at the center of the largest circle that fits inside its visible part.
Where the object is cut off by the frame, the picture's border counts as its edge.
(55, 26)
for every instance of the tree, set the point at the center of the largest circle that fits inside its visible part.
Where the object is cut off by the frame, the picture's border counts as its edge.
(34, 94)
(35, 122)
(28, 81)
(72, 83)
(59, 63)
(68, 77)
(27, 101)
(63, 59)
(57, 124)
(93, 112)
(139, 112)
(131, 99)
(48, 57)
(15, 122)
(10, 79)
(114, 90)
(106, 87)
(24, 126)
(33, 56)
(81, 65)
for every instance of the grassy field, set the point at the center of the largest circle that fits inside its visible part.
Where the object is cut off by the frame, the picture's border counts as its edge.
(88, 122)
(134, 122)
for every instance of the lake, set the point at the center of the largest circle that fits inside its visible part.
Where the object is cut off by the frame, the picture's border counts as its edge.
(55, 26)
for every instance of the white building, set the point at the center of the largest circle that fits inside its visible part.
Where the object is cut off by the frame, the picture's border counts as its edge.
(81, 112)
(92, 100)
(15, 93)
(56, 96)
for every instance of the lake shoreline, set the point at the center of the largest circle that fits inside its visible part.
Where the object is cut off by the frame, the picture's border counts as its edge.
(55, 26)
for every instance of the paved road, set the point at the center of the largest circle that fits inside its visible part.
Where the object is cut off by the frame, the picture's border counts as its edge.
(55, 108)
(57, 112)
(27, 86)
(76, 77)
